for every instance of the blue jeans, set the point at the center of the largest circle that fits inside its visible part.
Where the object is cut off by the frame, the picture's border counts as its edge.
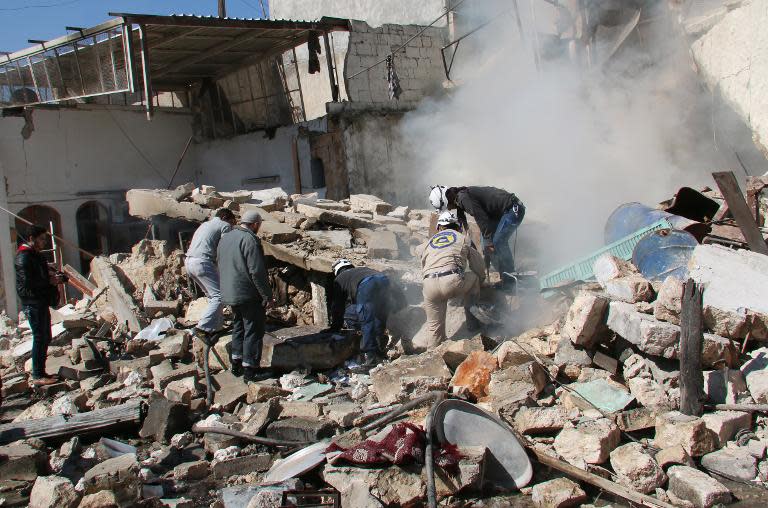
(39, 317)
(206, 275)
(504, 260)
(369, 312)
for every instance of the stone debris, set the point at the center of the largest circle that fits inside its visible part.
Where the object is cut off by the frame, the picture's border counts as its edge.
(612, 347)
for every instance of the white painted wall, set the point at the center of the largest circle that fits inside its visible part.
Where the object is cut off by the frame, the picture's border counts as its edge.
(75, 150)
(225, 163)
(375, 12)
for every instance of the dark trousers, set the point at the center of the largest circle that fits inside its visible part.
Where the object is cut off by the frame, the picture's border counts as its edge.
(504, 260)
(369, 312)
(248, 332)
(39, 317)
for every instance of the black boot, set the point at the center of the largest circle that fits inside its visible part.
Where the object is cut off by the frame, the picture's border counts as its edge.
(473, 324)
(254, 374)
(207, 338)
(237, 367)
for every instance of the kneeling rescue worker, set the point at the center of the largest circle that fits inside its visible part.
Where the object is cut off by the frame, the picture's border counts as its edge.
(367, 292)
(497, 212)
(452, 268)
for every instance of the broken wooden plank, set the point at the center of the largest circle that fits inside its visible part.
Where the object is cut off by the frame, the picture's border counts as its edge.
(77, 281)
(729, 187)
(66, 426)
(600, 482)
(691, 344)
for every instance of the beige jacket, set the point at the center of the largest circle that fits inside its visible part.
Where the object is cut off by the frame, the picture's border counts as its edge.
(448, 250)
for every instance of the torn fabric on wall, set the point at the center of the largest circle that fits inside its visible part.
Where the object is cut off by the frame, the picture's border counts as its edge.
(313, 47)
(392, 80)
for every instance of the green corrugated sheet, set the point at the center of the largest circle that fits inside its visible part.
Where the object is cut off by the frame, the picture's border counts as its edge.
(582, 269)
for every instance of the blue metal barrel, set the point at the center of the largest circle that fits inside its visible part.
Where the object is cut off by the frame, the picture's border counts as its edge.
(664, 253)
(631, 217)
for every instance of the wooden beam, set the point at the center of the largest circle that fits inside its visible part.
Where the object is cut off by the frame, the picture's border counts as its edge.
(65, 426)
(728, 185)
(691, 344)
(600, 482)
(296, 165)
(79, 282)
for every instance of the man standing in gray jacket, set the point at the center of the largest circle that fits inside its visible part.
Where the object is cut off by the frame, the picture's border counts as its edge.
(245, 287)
(200, 263)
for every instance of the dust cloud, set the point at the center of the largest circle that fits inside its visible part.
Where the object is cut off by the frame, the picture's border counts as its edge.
(572, 140)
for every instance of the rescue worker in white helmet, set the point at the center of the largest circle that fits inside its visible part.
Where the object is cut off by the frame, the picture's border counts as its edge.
(366, 291)
(498, 214)
(451, 268)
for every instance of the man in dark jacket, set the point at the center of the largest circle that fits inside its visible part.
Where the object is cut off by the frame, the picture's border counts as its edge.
(498, 214)
(36, 287)
(245, 287)
(367, 291)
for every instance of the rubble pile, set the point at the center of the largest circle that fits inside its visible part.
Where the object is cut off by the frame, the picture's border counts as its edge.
(596, 386)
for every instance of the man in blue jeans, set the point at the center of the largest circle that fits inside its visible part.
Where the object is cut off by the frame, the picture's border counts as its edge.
(367, 292)
(498, 214)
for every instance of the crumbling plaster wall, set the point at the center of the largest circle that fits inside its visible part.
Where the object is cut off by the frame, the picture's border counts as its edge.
(226, 163)
(732, 56)
(72, 151)
(375, 12)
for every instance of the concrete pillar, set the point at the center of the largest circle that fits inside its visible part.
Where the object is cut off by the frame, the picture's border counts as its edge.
(7, 253)
(319, 304)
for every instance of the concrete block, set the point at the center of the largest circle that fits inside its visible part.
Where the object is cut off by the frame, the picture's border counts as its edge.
(307, 430)
(53, 492)
(474, 373)
(21, 462)
(755, 373)
(735, 462)
(648, 334)
(380, 243)
(390, 382)
(262, 392)
(146, 203)
(119, 475)
(725, 424)
(277, 232)
(230, 390)
(589, 442)
(675, 428)
(540, 420)
(258, 462)
(332, 237)
(585, 321)
(304, 346)
(557, 493)
(668, 304)
(165, 419)
(368, 203)
(637, 469)
(697, 487)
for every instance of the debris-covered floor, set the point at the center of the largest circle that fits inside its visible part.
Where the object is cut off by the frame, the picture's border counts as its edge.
(572, 397)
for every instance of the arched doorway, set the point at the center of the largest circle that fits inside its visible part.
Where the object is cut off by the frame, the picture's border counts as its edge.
(41, 215)
(92, 231)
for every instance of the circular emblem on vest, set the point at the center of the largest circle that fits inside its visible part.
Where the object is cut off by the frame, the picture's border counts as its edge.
(443, 239)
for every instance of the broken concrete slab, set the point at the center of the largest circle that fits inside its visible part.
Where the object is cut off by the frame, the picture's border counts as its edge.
(734, 462)
(755, 373)
(119, 475)
(517, 385)
(675, 428)
(735, 299)
(165, 419)
(147, 203)
(101, 499)
(648, 334)
(588, 442)
(21, 462)
(454, 352)
(390, 383)
(697, 487)
(258, 462)
(230, 390)
(306, 347)
(558, 493)
(53, 492)
(368, 203)
(264, 391)
(277, 232)
(343, 219)
(724, 386)
(621, 280)
(540, 420)
(332, 237)
(636, 469)
(725, 424)
(585, 321)
(674, 455)
(380, 243)
(305, 430)
(668, 304)
(120, 300)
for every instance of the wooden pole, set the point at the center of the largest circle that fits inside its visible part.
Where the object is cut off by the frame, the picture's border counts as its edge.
(600, 482)
(296, 165)
(691, 344)
(60, 426)
(222, 8)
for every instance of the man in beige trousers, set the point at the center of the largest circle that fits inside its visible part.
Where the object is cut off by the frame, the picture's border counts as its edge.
(452, 268)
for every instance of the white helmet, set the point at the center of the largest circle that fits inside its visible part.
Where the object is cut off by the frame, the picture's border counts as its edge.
(447, 218)
(339, 265)
(438, 198)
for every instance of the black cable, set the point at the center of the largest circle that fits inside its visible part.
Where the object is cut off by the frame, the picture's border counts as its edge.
(41, 6)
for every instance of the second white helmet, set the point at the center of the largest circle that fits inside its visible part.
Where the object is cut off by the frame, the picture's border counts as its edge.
(341, 264)
(437, 197)
(447, 218)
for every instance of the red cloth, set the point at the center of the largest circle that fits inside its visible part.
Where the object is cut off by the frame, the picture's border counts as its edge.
(404, 444)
